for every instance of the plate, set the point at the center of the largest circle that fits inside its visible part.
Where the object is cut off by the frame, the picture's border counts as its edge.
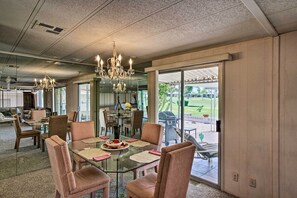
(116, 149)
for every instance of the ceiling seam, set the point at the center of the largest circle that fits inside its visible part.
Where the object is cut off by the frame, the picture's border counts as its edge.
(166, 29)
(25, 28)
(81, 22)
(22, 33)
(125, 26)
(256, 11)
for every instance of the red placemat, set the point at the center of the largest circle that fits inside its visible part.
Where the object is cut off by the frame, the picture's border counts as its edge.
(102, 157)
(104, 137)
(131, 140)
(153, 151)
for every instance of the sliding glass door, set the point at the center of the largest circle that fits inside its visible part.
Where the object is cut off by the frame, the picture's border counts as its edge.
(192, 97)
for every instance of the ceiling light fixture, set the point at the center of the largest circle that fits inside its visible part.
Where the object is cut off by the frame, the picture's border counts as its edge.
(114, 69)
(47, 83)
(120, 87)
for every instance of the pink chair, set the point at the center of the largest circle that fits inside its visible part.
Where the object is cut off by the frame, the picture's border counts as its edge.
(80, 131)
(37, 115)
(73, 184)
(153, 134)
(173, 177)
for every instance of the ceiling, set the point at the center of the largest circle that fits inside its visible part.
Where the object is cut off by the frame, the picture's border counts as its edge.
(64, 36)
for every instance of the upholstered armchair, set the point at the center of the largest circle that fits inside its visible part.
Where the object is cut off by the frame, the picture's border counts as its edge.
(153, 134)
(172, 179)
(73, 184)
(80, 131)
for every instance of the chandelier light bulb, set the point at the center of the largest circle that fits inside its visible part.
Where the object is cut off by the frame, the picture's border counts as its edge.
(114, 69)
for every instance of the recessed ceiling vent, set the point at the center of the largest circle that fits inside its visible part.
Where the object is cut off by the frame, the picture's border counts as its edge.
(43, 27)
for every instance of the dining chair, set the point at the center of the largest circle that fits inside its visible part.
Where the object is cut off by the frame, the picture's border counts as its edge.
(172, 179)
(152, 133)
(80, 131)
(77, 183)
(57, 126)
(72, 117)
(37, 115)
(109, 123)
(135, 124)
(24, 134)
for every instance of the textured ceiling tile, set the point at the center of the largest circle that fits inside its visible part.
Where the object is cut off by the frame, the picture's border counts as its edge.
(246, 30)
(13, 20)
(284, 21)
(112, 18)
(64, 14)
(273, 6)
(174, 16)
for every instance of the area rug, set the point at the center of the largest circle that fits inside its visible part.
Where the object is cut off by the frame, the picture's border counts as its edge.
(29, 158)
(40, 184)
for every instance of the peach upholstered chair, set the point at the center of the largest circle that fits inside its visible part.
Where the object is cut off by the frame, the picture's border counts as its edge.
(24, 134)
(80, 131)
(37, 115)
(153, 134)
(73, 184)
(173, 177)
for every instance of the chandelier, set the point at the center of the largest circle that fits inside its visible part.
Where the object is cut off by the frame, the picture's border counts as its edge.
(114, 69)
(47, 83)
(120, 87)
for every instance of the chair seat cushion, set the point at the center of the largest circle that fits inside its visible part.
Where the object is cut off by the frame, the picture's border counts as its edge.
(29, 133)
(89, 177)
(144, 186)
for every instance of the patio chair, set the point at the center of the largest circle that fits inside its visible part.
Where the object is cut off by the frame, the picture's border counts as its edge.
(205, 152)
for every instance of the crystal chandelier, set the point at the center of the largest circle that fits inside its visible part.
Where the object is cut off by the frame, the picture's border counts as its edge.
(47, 83)
(114, 69)
(120, 87)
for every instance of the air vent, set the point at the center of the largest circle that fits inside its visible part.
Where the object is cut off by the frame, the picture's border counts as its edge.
(44, 27)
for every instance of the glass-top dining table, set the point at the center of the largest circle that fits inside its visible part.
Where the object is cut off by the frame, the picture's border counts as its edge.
(121, 161)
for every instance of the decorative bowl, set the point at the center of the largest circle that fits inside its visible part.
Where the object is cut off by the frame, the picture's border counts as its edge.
(116, 143)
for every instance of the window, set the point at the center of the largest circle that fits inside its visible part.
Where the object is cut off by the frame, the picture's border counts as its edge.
(84, 101)
(39, 99)
(60, 100)
(11, 98)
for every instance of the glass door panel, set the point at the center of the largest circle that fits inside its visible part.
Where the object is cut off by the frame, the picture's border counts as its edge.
(170, 105)
(201, 109)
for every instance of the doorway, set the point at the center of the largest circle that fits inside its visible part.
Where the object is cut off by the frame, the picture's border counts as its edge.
(193, 97)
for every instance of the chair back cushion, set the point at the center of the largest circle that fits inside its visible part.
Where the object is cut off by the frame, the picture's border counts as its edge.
(37, 115)
(174, 170)
(58, 126)
(17, 126)
(61, 165)
(152, 133)
(82, 130)
(136, 121)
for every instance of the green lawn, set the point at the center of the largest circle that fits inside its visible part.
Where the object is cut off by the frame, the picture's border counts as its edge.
(193, 104)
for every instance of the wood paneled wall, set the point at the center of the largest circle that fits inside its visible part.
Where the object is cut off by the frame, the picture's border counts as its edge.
(288, 116)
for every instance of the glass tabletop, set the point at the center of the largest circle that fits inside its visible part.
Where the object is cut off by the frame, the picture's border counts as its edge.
(119, 162)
